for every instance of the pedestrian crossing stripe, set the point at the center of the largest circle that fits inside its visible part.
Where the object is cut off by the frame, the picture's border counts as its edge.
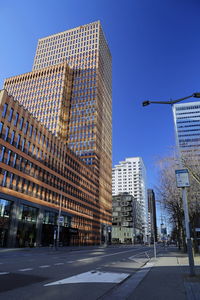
(91, 277)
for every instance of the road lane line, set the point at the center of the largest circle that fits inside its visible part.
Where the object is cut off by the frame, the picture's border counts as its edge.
(100, 256)
(24, 270)
(4, 273)
(58, 264)
(45, 266)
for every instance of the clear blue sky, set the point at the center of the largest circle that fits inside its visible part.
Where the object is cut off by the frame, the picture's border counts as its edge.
(155, 47)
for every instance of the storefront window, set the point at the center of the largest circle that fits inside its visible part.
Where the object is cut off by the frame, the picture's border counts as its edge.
(67, 221)
(50, 218)
(5, 208)
(28, 213)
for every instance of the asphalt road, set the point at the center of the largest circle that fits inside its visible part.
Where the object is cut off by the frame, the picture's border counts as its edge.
(88, 273)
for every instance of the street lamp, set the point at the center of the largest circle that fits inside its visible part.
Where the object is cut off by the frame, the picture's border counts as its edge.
(148, 102)
(59, 222)
(184, 195)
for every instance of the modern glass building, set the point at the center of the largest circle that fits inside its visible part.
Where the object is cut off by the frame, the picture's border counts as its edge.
(70, 91)
(40, 175)
(187, 127)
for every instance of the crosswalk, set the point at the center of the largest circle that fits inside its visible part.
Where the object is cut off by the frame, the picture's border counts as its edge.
(93, 276)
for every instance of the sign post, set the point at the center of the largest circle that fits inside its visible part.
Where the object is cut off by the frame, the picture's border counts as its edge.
(182, 178)
(182, 181)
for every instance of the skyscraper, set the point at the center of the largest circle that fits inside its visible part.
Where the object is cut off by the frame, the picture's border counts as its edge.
(129, 176)
(70, 91)
(152, 214)
(187, 127)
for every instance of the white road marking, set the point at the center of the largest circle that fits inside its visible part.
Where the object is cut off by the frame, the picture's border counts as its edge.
(91, 258)
(70, 261)
(92, 276)
(24, 270)
(58, 264)
(4, 273)
(45, 266)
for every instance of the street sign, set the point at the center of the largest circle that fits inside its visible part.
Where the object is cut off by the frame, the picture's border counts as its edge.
(61, 219)
(197, 229)
(182, 178)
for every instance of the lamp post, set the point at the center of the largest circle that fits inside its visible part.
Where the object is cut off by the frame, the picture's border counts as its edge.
(59, 215)
(184, 194)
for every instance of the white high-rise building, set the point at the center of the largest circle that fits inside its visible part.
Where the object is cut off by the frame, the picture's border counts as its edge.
(130, 176)
(187, 127)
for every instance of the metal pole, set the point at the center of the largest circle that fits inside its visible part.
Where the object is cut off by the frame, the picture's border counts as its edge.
(59, 214)
(186, 214)
(187, 229)
(154, 245)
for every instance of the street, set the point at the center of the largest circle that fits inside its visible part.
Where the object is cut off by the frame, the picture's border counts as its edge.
(88, 273)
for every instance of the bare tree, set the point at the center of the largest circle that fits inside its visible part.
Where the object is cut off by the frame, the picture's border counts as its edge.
(171, 198)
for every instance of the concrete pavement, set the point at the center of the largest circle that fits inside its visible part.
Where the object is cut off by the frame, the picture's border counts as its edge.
(165, 278)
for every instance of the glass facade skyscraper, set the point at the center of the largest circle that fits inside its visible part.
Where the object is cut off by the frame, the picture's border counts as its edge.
(187, 127)
(70, 91)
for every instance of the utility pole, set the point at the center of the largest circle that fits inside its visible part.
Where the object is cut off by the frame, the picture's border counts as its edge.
(184, 192)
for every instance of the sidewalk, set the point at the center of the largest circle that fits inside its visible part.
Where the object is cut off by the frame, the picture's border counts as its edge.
(164, 278)
(169, 279)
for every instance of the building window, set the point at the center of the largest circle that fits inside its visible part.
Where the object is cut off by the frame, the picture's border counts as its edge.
(16, 119)
(39, 135)
(4, 178)
(12, 137)
(18, 140)
(26, 127)
(14, 160)
(28, 213)
(8, 157)
(1, 127)
(35, 134)
(10, 115)
(21, 123)
(31, 130)
(28, 147)
(12, 176)
(6, 133)
(4, 110)
(23, 144)
(5, 208)
(2, 154)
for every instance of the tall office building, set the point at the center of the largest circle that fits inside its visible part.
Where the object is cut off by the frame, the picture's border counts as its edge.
(187, 127)
(129, 176)
(46, 94)
(152, 214)
(70, 91)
